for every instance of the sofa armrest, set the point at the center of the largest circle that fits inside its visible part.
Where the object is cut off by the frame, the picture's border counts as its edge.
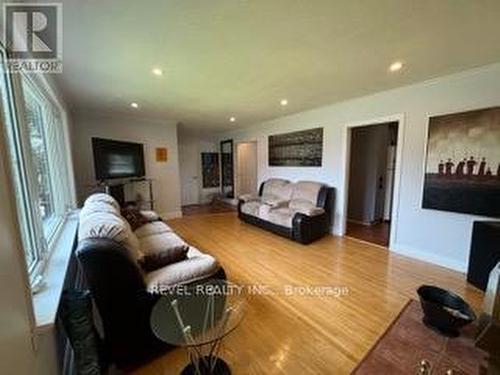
(312, 211)
(185, 271)
(306, 229)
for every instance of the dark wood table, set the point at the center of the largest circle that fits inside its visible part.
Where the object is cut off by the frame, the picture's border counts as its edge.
(407, 342)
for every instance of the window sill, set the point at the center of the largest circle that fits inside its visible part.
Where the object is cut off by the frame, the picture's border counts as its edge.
(46, 301)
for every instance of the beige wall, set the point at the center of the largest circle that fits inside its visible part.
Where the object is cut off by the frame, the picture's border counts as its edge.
(152, 133)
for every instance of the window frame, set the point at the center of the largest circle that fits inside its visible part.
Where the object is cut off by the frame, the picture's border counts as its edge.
(53, 222)
(16, 148)
(38, 238)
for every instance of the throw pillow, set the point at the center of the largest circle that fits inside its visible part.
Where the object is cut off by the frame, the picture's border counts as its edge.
(134, 217)
(152, 262)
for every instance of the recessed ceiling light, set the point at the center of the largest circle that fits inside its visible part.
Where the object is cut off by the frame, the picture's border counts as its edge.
(232, 119)
(395, 66)
(283, 102)
(157, 72)
(134, 105)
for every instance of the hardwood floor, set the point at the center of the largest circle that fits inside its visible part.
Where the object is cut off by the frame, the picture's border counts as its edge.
(294, 334)
(376, 233)
(210, 208)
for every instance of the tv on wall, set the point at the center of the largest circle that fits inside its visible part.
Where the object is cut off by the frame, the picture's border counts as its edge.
(116, 159)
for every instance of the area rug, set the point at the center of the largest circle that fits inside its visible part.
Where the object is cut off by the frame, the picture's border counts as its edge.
(408, 342)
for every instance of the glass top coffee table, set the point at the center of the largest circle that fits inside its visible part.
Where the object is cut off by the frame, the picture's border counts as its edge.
(198, 317)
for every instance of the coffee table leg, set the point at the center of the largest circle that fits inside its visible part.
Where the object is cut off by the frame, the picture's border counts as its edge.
(220, 368)
(209, 364)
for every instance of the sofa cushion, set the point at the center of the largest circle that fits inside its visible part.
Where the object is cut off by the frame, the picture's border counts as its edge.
(264, 210)
(306, 191)
(305, 207)
(154, 261)
(281, 216)
(111, 226)
(277, 188)
(251, 208)
(194, 252)
(159, 242)
(104, 198)
(149, 229)
(98, 206)
(183, 272)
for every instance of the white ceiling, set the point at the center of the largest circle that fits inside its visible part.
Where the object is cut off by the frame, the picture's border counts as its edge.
(240, 57)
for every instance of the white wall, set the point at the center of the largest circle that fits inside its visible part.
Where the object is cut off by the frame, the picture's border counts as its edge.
(435, 236)
(151, 132)
(190, 148)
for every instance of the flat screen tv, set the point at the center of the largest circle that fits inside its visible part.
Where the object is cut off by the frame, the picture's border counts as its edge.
(116, 159)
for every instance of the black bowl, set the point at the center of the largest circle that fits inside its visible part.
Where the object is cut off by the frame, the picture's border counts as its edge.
(444, 310)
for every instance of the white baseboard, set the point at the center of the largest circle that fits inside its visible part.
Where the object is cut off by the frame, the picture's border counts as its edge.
(171, 215)
(336, 231)
(430, 258)
(424, 256)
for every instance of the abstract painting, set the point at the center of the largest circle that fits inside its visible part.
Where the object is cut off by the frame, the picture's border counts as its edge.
(210, 169)
(298, 149)
(462, 172)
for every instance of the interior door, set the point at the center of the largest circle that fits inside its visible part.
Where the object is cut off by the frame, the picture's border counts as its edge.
(190, 191)
(188, 163)
(247, 168)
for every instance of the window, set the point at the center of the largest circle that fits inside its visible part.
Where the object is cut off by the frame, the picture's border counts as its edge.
(35, 134)
(38, 145)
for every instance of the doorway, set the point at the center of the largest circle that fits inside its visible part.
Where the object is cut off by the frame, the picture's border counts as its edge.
(246, 168)
(372, 163)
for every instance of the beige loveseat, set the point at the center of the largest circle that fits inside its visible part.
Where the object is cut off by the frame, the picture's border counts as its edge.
(300, 211)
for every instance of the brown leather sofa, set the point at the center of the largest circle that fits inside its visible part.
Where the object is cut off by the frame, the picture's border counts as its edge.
(125, 294)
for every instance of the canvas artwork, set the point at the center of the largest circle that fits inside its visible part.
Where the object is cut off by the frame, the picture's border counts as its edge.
(463, 163)
(297, 149)
(161, 154)
(210, 169)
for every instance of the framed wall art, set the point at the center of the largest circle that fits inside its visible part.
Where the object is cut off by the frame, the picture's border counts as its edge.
(462, 170)
(298, 149)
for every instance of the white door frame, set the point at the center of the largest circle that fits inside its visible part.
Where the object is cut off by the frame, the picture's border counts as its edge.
(400, 119)
(237, 172)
